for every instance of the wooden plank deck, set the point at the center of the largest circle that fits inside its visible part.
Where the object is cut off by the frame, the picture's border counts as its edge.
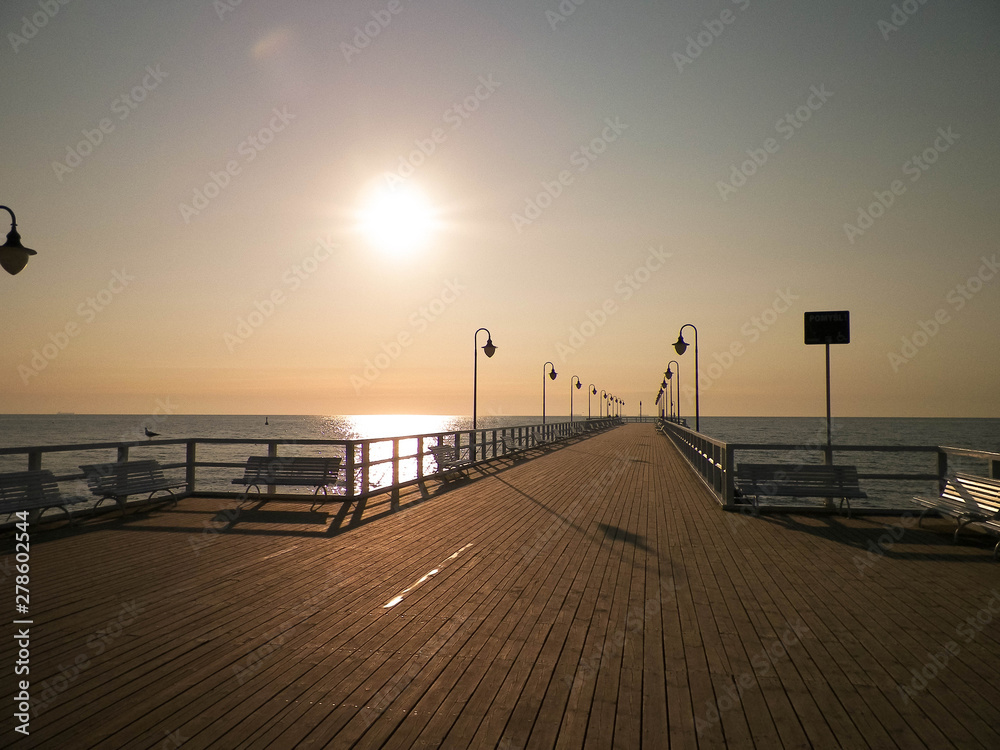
(595, 596)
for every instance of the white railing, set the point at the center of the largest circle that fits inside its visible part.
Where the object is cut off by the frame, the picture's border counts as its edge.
(368, 466)
(715, 460)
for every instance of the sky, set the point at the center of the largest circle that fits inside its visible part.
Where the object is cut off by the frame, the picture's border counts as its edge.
(300, 207)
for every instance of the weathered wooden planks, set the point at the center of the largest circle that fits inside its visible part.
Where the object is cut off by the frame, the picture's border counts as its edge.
(594, 596)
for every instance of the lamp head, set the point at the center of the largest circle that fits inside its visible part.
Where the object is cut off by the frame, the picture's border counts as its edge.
(13, 255)
(488, 349)
(680, 346)
(578, 385)
(663, 385)
(669, 373)
(553, 374)
(593, 391)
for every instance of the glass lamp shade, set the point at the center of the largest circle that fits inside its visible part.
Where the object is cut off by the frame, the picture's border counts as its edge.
(553, 374)
(488, 349)
(680, 346)
(13, 255)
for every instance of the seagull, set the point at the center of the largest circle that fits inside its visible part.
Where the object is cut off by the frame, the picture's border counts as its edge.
(150, 433)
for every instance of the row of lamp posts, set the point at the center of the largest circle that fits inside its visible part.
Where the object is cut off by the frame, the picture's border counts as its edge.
(680, 346)
(549, 369)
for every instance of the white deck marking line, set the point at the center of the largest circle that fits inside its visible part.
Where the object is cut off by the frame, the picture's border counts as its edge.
(399, 597)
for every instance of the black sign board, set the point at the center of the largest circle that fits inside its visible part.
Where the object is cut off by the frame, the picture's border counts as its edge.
(828, 327)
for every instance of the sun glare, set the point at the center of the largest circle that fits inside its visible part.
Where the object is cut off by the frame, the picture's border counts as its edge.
(398, 220)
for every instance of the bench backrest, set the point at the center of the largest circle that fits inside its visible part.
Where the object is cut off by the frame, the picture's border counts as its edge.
(443, 452)
(124, 475)
(820, 476)
(28, 487)
(304, 469)
(978, 493)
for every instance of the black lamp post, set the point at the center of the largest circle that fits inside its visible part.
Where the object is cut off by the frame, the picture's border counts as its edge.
(552, 375)
(600, 406)
(680, 346)
(13, 255)
(668, 375)
(592, 391)
(579, 385)
(489, 350)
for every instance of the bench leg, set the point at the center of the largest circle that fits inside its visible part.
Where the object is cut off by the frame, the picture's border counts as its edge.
(961, 525)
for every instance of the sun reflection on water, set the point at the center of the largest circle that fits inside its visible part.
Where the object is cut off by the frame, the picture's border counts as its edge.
(392, 425)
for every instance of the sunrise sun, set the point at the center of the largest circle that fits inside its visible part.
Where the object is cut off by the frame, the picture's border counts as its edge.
(398, 219)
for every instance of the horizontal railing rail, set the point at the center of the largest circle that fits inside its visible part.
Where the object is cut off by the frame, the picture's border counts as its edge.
(368, 465)
(715, 460)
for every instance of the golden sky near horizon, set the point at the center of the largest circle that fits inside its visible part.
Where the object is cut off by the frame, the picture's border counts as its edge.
(309, 208)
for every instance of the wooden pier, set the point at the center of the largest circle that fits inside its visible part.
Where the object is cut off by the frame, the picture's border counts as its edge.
(593, 596)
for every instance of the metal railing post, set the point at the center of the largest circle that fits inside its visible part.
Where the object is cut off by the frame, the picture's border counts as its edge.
(942, 470)
(394, 496)
(729, 498)
(272, 452)
(189, 468)
(349, 470)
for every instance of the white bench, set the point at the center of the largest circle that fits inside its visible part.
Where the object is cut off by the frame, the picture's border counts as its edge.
(513, 446)
(969, 499)
(449, 460)
(798, 480)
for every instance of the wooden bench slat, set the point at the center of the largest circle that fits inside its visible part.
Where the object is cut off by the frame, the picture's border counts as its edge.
(119, 480)
(300, 471)
(969, 499)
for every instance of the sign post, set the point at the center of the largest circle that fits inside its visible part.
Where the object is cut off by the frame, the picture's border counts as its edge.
(827, 328)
